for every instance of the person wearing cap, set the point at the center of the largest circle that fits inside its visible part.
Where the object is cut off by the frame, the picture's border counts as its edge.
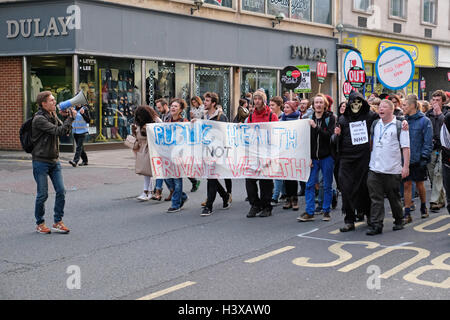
(260, 204)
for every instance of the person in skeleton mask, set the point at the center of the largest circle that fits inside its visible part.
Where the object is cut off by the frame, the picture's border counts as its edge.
(352, 136)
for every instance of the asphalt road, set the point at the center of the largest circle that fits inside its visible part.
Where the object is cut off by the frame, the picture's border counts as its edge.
(119, 248)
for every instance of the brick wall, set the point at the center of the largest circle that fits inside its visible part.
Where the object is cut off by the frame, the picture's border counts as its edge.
(11, 102)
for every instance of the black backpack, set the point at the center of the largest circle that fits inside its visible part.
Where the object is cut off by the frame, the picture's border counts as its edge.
(26, 136)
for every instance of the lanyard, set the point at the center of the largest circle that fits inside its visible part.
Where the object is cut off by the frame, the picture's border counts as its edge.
(382, 132)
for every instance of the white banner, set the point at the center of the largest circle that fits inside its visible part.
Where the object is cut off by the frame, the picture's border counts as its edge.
(212, 149)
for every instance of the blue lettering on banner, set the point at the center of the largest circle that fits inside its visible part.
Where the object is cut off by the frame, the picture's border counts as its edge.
(177, 134)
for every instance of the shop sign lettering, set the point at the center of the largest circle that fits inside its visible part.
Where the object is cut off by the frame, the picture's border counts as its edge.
(308, 53)
(36, 27)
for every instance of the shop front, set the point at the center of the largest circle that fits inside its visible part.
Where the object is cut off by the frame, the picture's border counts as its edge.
(119, 64)
(424, 56)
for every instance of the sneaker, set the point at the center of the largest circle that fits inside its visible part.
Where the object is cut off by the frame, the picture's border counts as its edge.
(72, 163)
(195, 186)
(226, 202)
(424, 213)
(60, 227)
(42, 228)
(398, 226)
(326, 216)
(253, 212)
(305, 217)
(274, 202)
(83, 164)
(183, 202)
(206, 212)
(413, 207)
(318, 210)
(407, 219)
(266, 212)
(436, 207)
(170, 210)
(143, 197)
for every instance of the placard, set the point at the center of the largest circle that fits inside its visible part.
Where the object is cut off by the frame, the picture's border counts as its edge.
(347, 88)
(358, 132)
(395, 68)
(290, 77)
(352, 59)
(305, 84)
(357, 77)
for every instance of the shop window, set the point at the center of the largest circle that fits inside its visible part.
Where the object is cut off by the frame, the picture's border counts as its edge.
(166, 80)
(254, 5)
(253, 79)
(113, 89)
(214, 79)
(222, 3)
(50, 73)
(301, 9)
(275, 7)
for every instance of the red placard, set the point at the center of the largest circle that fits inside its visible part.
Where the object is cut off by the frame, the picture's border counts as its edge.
(357, 77)
(347, 88)
(322, 69)
(423, 84)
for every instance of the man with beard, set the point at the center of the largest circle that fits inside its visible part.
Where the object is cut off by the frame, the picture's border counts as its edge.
(354, 154)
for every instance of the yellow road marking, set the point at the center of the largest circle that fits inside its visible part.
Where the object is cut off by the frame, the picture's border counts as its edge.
(168, 290)
(269, 254)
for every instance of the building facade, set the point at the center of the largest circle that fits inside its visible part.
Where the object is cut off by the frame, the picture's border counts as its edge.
(422, 27)
(126, 53)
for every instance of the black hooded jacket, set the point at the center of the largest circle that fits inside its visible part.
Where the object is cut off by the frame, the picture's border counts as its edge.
(346, 147)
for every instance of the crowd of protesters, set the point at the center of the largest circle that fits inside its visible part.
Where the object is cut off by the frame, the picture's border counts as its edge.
(407, 141)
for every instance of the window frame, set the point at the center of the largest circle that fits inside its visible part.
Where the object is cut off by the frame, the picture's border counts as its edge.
(369, 10)
(212, 6)
(405, 13)
(422, 12)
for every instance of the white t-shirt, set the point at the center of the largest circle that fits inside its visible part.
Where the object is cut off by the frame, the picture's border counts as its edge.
(386, 153)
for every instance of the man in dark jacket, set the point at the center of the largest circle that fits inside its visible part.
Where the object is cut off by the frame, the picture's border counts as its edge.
(322, 127)
(437, 198)
(353, 140)
(445, 147)
(46, 130)
(420, 137)
(213, 185)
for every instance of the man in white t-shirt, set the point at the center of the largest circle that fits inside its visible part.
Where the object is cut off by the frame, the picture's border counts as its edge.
(386, 169)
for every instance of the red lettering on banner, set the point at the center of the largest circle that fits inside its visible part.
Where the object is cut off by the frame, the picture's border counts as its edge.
(298, 168)
(157, 166)
(167, 168)
(212, 169)
(198, 169)
(185, 165)
(236, 169)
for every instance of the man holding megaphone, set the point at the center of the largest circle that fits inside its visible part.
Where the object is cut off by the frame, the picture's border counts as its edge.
(46, 128)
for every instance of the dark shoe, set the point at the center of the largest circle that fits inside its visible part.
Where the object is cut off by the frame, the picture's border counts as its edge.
(83, 164)
(72, 163)
(326, 216)
(266, 212)
(407, 219)
(436, 207)
(206, 212)
(288, 204)
(253, 212)
(305, 217)
(169, 198)
(374, 231)
(170, 210)
(274, 202)
(226, 202)
(195, 186)
(348, 227)
(318, 210)
(283, 197)
(398, 226)
(295, 206)
(424, 213)
(183, 202)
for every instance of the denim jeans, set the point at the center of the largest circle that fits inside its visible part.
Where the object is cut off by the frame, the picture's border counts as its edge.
(178, 194)
(326, 166)
(42, 170)
(278, 189)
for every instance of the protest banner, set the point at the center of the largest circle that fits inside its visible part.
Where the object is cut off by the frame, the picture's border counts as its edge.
(213, 149)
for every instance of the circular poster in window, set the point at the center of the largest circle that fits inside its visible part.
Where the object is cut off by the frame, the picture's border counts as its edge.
(394, 68)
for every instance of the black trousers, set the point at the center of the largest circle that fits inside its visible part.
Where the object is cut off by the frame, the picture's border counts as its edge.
(79, 152)
(291, 188)
(380, 184)
(263, 200)
(213, 187)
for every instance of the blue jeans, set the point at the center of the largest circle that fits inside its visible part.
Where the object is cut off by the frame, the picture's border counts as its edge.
(40, 172)
(326, 166)
(178, 194)
(279, 188)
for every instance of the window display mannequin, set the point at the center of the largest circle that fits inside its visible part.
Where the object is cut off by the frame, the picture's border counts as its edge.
(36, 86)
(152, 88)
(164, 85)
